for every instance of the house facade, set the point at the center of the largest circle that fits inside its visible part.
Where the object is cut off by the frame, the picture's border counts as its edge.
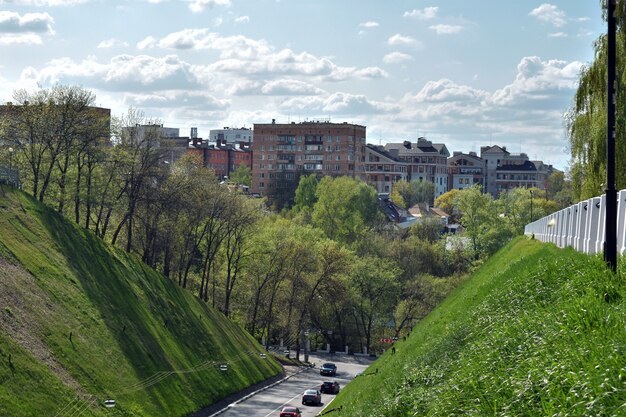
(464, 170)
(383, 169)
(426, 161)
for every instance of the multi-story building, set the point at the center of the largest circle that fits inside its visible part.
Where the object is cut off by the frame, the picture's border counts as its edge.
(281, 152)
(504, 171)
(426, 161)
(464, 170)
(223, 158)
(231, 135)
(383, 169)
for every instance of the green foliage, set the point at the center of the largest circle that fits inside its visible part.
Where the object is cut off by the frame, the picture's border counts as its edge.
(306, 192)
(345, 207)
(586, 120)
(89, 323)
(242, 175)
(536, 330)
(413, 192)
(446, 201)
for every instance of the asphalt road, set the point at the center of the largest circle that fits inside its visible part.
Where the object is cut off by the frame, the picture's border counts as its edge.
(268, 402)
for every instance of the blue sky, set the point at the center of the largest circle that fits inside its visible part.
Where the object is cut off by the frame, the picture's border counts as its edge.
(460, 72)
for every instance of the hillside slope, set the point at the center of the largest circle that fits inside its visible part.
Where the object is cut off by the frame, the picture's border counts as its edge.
(535, 331)
(81, 322)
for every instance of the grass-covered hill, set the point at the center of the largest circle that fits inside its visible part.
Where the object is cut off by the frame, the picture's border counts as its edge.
(537, 331)
(81, 322)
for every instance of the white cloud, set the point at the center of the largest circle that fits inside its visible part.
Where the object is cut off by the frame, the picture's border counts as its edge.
(369, 24)
(423, 14)
(198, 6)
(242, 19)
(550, 13)
(446, 29)
(242, 56)
(339, 103)
(445, 90)
(176, 99)
(288, 87)
(538, 80)
(557, 35)
(396, 58)
(112, 43)
(147, 43)
(398, 39)
(122, 73)
(26, 29)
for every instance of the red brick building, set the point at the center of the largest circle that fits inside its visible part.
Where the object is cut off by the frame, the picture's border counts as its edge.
(282, 152)
(223, 158)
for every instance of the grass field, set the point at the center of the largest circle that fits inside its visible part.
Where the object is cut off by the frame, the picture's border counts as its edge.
(81, 322)
(536, 331)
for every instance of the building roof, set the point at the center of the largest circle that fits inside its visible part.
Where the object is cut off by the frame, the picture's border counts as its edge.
(383, 152)
(526, 166)
(495, 149)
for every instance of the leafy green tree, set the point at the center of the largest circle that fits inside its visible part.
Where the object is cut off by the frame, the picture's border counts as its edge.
(413, 192)
(306, 192)
(586, 120)
(446, 201)
(478, 215)
(345, 207)
(242, 175)
(375, 285)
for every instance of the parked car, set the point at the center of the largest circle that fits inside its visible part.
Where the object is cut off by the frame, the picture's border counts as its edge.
(312, 396)
(329, 387)
(329, 369)
(289, 411)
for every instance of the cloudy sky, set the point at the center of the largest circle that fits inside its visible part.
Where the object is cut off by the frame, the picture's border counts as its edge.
(464, 73)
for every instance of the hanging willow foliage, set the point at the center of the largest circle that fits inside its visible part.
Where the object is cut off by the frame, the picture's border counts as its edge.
(586, 119)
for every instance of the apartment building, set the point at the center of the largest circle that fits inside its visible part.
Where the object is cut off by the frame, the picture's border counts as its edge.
(425, 160)
(464, 170)
(504, 171)
(223, 158)
(231, 135)
(383, 169)
(281, 152)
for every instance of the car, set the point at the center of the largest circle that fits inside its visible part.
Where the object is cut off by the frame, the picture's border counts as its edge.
(312, 396)
(289, 411)
(329, 369)
(329, 387)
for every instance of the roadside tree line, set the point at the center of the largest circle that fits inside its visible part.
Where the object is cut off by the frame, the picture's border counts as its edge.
(330, 266)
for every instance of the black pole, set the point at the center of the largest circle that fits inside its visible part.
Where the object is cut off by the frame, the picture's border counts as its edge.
(531, 205)
(610, 231)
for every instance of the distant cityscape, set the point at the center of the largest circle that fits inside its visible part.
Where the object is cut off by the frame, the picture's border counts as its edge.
(277, 152)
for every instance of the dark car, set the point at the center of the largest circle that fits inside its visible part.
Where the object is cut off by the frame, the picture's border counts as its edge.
(329, 387)
(289, 411)
(312, 396)
(329, 369)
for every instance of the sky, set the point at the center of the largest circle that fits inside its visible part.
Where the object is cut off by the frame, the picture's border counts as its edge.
(466, 73)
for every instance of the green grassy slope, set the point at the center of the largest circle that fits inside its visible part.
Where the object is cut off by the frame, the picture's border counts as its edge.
(81, 322)
(536, 331)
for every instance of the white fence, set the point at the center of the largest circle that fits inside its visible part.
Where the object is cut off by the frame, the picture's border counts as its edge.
(581, 225)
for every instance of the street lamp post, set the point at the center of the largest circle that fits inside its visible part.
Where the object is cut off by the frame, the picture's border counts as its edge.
(10, 157)
(610, 226)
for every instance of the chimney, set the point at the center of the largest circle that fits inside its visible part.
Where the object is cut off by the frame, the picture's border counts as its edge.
(273, 121)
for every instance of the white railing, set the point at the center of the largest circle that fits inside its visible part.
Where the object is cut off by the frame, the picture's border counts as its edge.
(581, 225)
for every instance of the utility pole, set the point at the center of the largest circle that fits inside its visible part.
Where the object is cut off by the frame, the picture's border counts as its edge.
(610, 230)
